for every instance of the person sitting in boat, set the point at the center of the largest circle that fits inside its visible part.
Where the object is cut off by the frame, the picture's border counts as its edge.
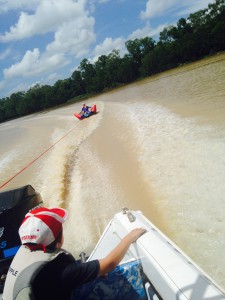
(85, 110)
(42, 270)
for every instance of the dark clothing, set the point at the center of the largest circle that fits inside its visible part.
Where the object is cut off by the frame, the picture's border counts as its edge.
(59, 277)
(86, 109)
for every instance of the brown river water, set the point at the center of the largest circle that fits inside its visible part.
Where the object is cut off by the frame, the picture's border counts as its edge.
(157, 145)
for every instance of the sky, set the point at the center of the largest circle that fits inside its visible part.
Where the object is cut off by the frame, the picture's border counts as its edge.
(42, 41)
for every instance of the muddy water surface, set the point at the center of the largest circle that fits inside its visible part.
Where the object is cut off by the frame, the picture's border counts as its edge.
(157, 146)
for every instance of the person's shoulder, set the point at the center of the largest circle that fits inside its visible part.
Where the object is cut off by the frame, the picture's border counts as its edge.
(65, 255)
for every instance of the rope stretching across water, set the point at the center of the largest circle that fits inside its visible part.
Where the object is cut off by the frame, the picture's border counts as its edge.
(33, 161)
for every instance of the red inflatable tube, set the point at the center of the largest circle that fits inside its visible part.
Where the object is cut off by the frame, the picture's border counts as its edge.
(93, 111)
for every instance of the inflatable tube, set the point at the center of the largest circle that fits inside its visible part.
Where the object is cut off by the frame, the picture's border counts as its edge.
(92, 112)
(78, 116)
(94, 109)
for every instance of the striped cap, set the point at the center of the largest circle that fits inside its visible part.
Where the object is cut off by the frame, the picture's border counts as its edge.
(42, 225)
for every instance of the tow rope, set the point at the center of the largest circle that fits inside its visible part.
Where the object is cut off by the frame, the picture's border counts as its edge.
(33, 161)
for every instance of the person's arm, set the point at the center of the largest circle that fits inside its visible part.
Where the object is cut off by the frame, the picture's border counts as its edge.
(109, 263)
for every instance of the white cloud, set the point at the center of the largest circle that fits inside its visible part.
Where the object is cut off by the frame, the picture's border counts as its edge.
(103, 1)
(7, 5)
(5, 54)
(74, 37)
(93, 2)
(146, 31)
(23, 86)
(51, 78)
(33, 64)
(158, 8)
(2, 85)
(26, 85)
(194, 7)
(74, 33)
(49, 17)
(108, 45)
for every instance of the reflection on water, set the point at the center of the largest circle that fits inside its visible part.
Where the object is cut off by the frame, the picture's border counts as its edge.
(156, 146)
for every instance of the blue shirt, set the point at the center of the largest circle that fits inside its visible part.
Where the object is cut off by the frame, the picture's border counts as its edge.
(85, 108)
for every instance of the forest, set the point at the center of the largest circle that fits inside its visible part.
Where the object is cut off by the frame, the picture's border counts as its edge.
(200, 35)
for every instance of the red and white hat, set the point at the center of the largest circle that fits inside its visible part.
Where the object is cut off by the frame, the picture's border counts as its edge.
(42, 225)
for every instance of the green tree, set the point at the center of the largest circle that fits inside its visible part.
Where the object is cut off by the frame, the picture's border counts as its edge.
(88, 75)
(2, 110)
(62, 91)
(101, 75)
(113, 68)
(216, 23)
(78, 85)
(201, 34)
(168, 35)
(126, 69)
(138, 48)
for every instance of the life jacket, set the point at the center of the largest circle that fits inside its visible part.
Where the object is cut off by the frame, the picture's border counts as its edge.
(25, 265)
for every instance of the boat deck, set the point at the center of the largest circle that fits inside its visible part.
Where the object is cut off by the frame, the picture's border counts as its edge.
(125, 282)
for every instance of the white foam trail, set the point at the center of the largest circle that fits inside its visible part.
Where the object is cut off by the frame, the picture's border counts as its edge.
(185, 164)
(52, 181)
(93, 202)
(65, 174)
(4, 161)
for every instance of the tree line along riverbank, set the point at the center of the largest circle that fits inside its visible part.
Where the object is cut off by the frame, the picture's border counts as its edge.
(199, 35)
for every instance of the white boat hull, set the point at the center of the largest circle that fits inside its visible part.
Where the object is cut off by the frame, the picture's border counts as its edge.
(172, 273)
